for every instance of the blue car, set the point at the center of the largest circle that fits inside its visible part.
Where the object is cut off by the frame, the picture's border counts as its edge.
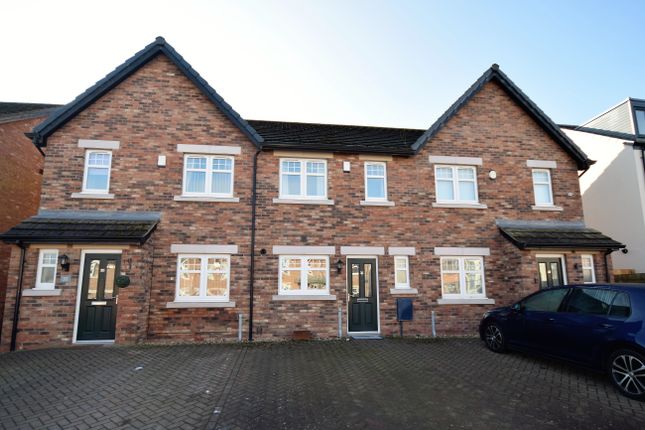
(598, 326)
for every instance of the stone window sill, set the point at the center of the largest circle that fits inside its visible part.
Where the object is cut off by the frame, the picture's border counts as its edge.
(35, 292)
(466, 301)
(376, 203)
(187, 305)
(403, 291)
(460, 205)
(304, 297)
(304, 201)
(97, 196)
(206, 199)
(547, 208)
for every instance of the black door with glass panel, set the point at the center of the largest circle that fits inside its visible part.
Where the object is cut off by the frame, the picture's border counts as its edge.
(550, 272)
(97, 312)
(362, 295)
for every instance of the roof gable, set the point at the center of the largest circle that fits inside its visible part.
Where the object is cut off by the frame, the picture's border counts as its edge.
(64, 114)
(495, 74)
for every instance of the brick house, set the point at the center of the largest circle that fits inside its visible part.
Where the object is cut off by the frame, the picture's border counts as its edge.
(152, 179)
(21, 165)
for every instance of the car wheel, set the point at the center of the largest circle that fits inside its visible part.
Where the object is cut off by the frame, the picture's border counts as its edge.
(494, 338)
(627, 373)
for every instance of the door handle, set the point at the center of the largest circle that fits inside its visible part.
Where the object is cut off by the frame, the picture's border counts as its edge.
(550, 320)
(607, 326)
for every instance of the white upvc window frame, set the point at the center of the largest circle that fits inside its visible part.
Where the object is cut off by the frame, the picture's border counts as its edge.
(462, 277)
(203, 278)
(303, 276)
(384, 177)
(87, 166)
(208, 185)
(303, 178)
(406, 269)
(455, 183)
(41, 264)
(589, 266)
(549, 182)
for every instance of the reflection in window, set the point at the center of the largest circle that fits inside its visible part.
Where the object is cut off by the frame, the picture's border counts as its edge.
(462, 277)
(203, 278)
(304, 275)
(93, 280)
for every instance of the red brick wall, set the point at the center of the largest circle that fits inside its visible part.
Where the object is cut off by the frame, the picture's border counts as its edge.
(20, 176)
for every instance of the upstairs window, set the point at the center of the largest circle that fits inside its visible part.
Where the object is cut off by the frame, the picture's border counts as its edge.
(375, 181)
(96, 177)
(456, 184)
(46, 274)
(208, 175)
(303, 179)
(640, 121)
(542, 187)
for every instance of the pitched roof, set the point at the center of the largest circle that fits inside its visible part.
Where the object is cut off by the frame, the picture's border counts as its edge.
(555, 234)
(12, 111)
(338, 138)
(495, 74)
(84, 227)
(141, 58)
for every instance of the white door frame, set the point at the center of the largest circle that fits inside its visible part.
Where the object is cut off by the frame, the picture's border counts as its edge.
(563, 265)
(78, 293)
(378, 300)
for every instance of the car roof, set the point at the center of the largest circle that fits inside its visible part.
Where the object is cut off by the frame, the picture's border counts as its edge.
(640, 288)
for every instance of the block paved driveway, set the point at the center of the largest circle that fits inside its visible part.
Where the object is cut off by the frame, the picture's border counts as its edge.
(446, 383)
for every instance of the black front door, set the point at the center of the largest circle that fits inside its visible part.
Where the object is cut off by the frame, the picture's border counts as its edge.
(97, 313)
(550, 272)
(362, 295)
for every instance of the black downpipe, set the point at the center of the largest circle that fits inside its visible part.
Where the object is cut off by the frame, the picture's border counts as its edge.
(609, 251)
(252, 265)
(16, 307)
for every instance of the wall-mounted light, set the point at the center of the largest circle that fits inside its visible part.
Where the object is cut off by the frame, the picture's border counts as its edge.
(339, 265)
(492, 174)
(63, 260)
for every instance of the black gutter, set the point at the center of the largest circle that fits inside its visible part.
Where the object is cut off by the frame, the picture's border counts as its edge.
(252, 265)
(16, 307)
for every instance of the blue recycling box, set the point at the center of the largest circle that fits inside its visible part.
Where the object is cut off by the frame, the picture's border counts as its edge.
(404, 309)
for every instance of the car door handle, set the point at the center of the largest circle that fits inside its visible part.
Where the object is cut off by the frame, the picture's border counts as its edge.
(550, 320)
(607, 326)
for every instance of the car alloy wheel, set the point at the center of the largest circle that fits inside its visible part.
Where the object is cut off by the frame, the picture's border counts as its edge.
(494, 338)
(627, 371)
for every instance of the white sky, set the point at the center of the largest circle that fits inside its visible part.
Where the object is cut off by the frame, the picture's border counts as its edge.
(373, 62)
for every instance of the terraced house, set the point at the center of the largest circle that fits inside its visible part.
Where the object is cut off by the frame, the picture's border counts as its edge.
(165, 216)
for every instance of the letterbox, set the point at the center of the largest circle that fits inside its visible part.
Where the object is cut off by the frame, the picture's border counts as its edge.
(404, 309)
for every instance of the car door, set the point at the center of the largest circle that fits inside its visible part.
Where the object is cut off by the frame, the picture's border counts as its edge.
(587, 323)
(539, 313)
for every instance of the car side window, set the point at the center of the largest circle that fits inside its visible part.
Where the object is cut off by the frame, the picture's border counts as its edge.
(590, 301)
(545, 301)
(621, 307)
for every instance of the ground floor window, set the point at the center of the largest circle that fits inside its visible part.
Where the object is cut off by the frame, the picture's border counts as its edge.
(462, 277)
(46, 275)
(588, 272)
(304, 275)
(203, 278)
(401, 272)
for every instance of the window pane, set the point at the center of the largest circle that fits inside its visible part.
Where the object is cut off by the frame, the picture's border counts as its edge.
(467, 191)
(315, 185)
(545, 301)
(587, 275)
(189, 284)
(316, 280)
(450, 283)
(99, 159)
(196, 162)
(190, 264)
(400, 263)
(222, 164)
(640, 121)
(216, 284)
(445, 190)
(313, 167)
(401, 277)
(542, 194)
(290, 280)
(444, 173)
(291, 166)
(47, 275)
(93, 281)
(49, 257)
(591, 302)
(217, 264)
(555, 274)
(317, 263)
(291, 185)
(450, 264)
(97, 178)
(376, 188)
(473, 264)
(544, 283)
(221, 183)
(620, 307)
(375, 170)
(195, 182)
(474, 284)
(355, 279)
(540, 176)
(368, 280)
(466, 173)
(110, 273)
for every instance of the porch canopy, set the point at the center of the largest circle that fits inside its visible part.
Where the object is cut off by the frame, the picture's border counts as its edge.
(84, 227)
(555, 235)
